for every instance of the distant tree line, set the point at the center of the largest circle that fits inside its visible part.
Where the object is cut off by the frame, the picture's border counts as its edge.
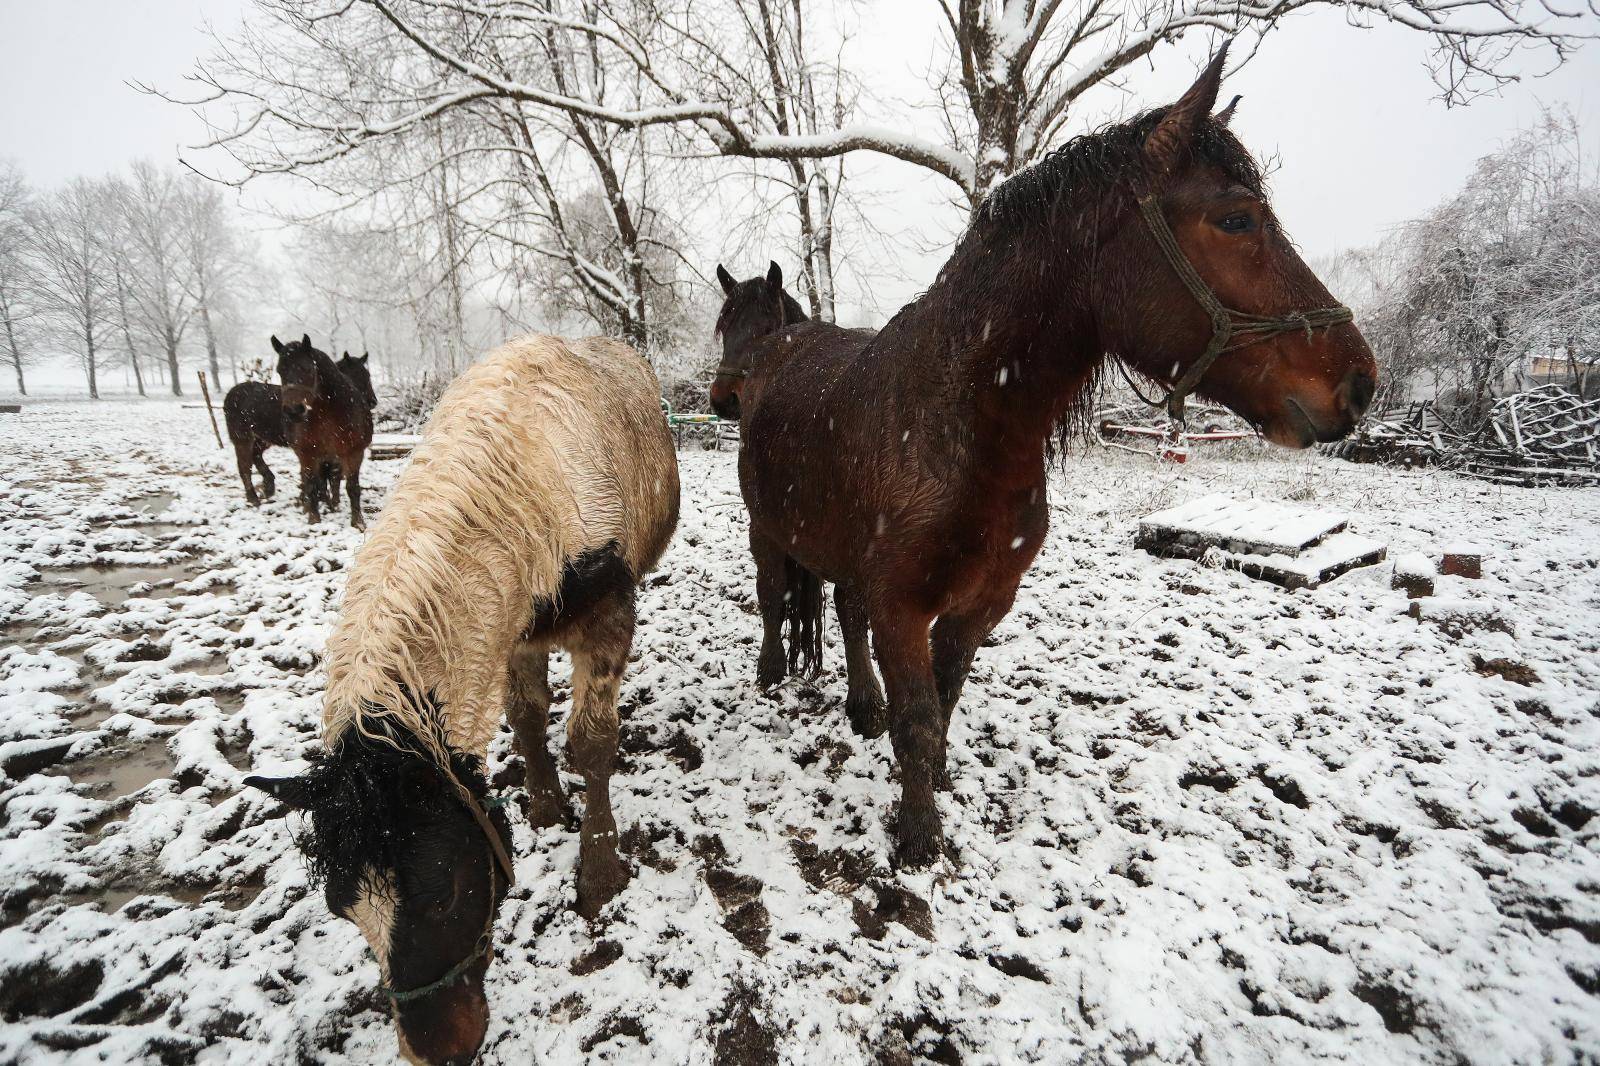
(142, 272)
(1503, 276)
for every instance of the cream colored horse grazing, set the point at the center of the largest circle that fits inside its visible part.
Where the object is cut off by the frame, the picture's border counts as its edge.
(544, 488)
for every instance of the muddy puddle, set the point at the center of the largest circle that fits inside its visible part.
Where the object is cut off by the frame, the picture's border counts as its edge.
(151, 503)
(114, 584)
(119, 771)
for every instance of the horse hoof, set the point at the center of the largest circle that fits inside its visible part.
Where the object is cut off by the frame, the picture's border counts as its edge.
(599, 881)
(254, 502)
(918, 839)
(358, 523)
(770, 671)
(868, 715)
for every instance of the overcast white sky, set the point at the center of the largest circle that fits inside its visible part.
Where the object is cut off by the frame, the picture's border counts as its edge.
(1352, 114)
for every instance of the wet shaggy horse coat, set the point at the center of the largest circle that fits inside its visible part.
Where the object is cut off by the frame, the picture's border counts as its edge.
(910, 470)
(545, 486)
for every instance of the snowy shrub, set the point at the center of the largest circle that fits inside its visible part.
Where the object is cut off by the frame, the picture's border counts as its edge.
(404, 406)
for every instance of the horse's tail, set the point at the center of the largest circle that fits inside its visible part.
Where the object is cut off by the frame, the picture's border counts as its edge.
(802, 618)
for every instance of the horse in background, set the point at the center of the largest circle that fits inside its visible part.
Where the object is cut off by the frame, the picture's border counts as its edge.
(253, 412)
(753, 310)
(356, 370)
(544, 489)
(328, 422)
(911, 470)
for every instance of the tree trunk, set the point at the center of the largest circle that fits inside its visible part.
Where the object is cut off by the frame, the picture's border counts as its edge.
(127, 334)
(211, 343)
(172, 363)
(829, 309)
(88, 365)
(16, 355)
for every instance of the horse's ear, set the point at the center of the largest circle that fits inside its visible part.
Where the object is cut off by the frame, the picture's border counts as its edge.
(728, 284)
(1169, 142)
(346, 354)
(774, 277)
(305, 341)
(1225, 116)
(364, 356)
(289, 791)
(277, 345)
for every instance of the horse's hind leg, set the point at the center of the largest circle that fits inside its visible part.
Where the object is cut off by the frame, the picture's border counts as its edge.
(241, 452)
(269, 484)
(528, 711)
(352, 484)
(330, 485)
(864, 703)
(771, 584)
(599, 647)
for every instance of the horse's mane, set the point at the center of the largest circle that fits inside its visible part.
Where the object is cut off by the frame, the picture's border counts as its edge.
(363, 802)
(1065, 193)
(1094, 163)
(332, 381)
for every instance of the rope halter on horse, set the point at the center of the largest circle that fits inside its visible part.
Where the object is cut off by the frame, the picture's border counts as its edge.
(499, 858)
(1226, 323)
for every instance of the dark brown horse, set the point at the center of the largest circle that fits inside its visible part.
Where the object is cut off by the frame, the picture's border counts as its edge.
(253, 411)
(329, 424)
(754, 310)
(911, 470)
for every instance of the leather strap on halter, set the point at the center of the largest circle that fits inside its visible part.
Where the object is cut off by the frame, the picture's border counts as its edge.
(1226, 323)
(502, 860)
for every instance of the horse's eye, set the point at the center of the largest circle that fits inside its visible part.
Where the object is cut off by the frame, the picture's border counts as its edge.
(1238, 223)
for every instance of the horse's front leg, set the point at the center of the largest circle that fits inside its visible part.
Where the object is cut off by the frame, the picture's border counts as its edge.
(915, 727)
(269, 484)
(771, 666)
(311, 487)
(242, 451)
(599, 654)
(528, 711)
(864, 702)
(956, 638)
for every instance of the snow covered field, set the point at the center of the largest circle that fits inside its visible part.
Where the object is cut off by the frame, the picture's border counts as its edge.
(1196, 818)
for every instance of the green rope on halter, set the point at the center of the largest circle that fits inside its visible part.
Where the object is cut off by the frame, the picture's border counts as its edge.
(1226, 323)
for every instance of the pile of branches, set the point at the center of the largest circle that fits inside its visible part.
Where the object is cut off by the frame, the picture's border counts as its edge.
(1548, 435)
(404, 406)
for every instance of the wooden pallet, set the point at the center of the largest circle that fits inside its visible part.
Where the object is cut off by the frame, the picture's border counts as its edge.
(1288, 546)
(393, 445)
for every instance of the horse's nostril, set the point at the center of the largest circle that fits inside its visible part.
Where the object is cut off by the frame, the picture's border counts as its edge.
(1359, 387)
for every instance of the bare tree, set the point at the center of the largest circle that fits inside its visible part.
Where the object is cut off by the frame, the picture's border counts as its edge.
(1506, 270)
(18, 303)
(119, 254)
(1017, 68)
(160, 283)
(71, 272)
(216, 259)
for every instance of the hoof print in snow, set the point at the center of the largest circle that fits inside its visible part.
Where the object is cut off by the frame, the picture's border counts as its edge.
(743, 913)
(1513, 671)
(144, 650)
(41, 990)
(621, 1028)
(1398, 1010)
(742, 1038)
(597, 958)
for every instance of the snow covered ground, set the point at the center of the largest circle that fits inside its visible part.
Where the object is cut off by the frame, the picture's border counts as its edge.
(1196, 818)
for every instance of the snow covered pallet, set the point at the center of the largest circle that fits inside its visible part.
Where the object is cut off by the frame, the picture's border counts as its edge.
(392, 445)
(1287, 546)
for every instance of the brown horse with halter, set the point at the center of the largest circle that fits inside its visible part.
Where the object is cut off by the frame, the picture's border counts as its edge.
(329, 423)
(910, 470)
